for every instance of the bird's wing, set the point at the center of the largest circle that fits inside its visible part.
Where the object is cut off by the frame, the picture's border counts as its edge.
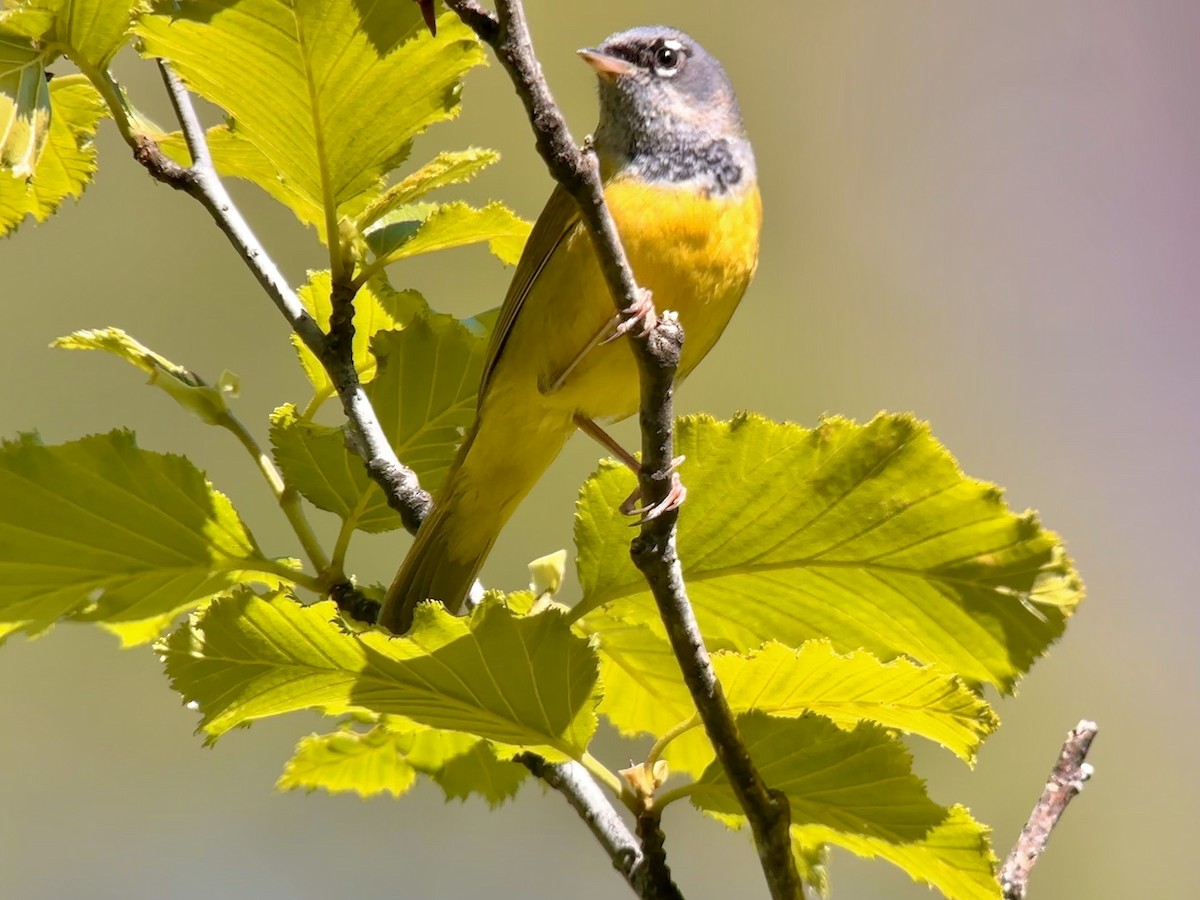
(553, 226)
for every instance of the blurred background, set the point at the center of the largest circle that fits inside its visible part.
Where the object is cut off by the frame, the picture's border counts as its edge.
(986, 213)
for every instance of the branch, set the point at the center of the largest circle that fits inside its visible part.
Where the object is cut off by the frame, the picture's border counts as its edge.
(1066, 781)
(657, 353)
(201, 181)
(650, 833)
(573, 781)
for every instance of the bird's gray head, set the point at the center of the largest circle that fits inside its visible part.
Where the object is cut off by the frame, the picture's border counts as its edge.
(667, 109)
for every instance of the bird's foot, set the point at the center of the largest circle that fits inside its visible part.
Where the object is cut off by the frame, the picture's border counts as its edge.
(641, 316)
(676, 494)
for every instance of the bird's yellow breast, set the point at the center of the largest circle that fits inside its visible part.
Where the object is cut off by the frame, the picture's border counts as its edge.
(695, 254)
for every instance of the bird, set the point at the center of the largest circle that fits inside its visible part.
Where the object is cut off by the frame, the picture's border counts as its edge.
(681, 183)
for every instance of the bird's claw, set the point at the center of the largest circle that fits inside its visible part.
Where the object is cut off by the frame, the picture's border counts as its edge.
(676, 494)
(641, 316)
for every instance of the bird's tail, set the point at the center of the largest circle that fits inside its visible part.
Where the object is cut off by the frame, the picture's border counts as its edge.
(489, 477)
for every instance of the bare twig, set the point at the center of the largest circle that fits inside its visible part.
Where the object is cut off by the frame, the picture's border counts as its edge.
(650, 833)
(201, 181)
(583, 793)
(657, 353)
(1066, 780)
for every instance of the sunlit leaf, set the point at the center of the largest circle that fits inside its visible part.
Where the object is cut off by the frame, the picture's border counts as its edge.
(868, 535)
(183, 385)
(90, 32)
(812, 862)
(955, 856)
(425, 390)
(425, 228)
(462, 765)
(521, 682)
(64, 160)
(99, 529)
(855, 789)
(383, 759)
(452, 167)
(315, 461)
(645, 693)
(855, 782)
(857, 687)
(349, 761)
(351, 86)
(377, 307)
(24, 106)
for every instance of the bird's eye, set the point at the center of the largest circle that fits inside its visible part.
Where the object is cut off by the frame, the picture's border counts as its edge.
(667, 57)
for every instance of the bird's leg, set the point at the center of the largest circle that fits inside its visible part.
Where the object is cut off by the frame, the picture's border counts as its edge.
(675, 496)
(641, 315)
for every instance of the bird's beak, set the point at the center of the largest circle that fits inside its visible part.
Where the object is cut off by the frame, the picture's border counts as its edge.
(606, 65)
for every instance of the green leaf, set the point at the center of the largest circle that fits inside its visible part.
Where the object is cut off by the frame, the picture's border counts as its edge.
(24, 106)
(101, 530)
(812, 862)
(854, 782)
(856, 790)
(525, 683)
(462, 764)
(183, 385)
(349, 761)
(90, 32)
(644, 692)
(314, 460)
(385, 760)
(377, 307)
(850, 689)
(452, 167)
(351, 86)
(424, 228)
(868, 535)
(64, 160)
(425, 390)
(955, 856)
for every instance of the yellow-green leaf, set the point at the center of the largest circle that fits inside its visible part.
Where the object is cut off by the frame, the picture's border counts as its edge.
(90, 32)
(854, 782)
(425, 228)
(524, 683)
(183, 385)
(955, 856)
(377, 307)
(24, 106)
(101, 530)
(63, 159)
(451, 167)
(349, 761)
(350, 86)
(868, 535)
(315, 461)
(425, 390)
(857, 687)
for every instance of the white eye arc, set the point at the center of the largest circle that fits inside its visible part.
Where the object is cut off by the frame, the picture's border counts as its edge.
(668, 58)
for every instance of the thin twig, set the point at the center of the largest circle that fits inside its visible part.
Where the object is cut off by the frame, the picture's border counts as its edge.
(201, 181)
(657, 354)
(650, 833)
(583, 793)
(1067, 778)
